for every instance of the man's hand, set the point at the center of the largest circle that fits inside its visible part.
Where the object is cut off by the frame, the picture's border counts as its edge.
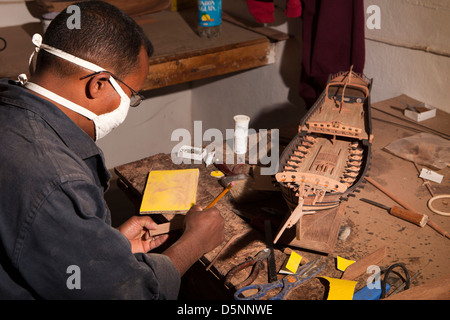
(203, 231)
(137, 230)
(206, 227)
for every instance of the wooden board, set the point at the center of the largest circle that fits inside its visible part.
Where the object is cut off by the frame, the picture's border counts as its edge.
(270, 33)
(180, 55)
(437, 289)
(180, 68)
(319, 231)
(360, 266)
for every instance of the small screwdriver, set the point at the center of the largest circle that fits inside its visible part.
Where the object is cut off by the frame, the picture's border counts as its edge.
(413, 217)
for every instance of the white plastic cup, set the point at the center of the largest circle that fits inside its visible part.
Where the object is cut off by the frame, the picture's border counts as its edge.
(240, 133)
(46, 18)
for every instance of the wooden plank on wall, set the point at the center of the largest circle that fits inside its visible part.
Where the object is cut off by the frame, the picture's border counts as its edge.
(180, 54)
(179, 70)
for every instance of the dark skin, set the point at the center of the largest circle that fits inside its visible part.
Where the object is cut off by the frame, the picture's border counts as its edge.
(203, 231)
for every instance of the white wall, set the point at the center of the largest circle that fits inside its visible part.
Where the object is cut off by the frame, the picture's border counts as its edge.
(394, 63)
(269, 94)
(148, 128)
(14, 13)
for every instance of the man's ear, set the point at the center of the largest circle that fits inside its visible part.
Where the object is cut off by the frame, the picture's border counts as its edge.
(97, 85)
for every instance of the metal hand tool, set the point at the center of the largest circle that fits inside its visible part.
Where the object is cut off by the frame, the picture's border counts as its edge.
(416, 218)
(271, 259)
(287, 284)
(423, 218)
(255, 262)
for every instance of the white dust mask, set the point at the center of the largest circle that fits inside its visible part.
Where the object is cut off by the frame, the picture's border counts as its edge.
(104, 123)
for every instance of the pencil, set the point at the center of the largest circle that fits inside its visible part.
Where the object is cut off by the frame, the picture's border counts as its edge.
(220, 195)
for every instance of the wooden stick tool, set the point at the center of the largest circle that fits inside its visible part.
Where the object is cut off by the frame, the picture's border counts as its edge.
(229, 186)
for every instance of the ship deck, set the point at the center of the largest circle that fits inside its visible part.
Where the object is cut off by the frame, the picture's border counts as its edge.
(326, 158)
(337, 116)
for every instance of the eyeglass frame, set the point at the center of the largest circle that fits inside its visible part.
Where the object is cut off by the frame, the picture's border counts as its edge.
(133, 92)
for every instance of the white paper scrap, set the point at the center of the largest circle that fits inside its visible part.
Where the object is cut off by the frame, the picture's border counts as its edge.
(431, 175)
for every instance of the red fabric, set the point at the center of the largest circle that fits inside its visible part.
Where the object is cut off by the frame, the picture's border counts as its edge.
(293, 9)
(333, 40)
(262, 11)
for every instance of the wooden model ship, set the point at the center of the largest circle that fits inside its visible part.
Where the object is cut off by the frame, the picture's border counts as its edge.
(329, 156)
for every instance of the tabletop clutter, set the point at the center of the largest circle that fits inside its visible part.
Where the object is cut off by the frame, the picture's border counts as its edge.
(296, 212)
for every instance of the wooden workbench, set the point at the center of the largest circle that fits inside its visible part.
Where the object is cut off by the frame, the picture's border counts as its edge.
(180, 55)
(420, 249)
(248, 243)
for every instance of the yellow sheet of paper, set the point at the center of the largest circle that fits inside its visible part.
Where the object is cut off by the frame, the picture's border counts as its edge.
(291, 264)
(170, 191)
(341, 289)
(343, 264)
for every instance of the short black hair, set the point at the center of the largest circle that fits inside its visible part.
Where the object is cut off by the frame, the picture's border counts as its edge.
(106, 37)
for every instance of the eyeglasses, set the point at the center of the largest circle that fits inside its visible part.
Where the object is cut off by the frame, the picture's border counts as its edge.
(136, 97)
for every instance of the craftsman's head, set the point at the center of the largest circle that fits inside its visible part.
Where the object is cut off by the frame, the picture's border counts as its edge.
(108, 38)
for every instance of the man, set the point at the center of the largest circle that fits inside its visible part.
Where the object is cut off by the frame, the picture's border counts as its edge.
(56, 241)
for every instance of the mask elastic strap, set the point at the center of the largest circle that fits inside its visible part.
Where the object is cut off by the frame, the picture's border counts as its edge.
(57, 98)
(37, 41)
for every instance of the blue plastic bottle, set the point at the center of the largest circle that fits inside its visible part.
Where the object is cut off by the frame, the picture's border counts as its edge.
(209, 18)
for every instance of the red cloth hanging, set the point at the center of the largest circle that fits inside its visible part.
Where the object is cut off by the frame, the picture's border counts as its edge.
(333, 40)
(263, 10)
(293, 9)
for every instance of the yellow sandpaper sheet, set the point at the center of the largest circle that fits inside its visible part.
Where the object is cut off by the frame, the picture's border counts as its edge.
(343, 263)
(170, 191)
(291, 264)
(340, 289)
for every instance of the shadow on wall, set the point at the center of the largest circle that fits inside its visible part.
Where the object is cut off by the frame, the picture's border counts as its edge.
(291, 112)
(282, 104)
(290, 59)
(277, 116)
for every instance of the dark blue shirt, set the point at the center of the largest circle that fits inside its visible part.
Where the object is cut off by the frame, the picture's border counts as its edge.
(56, 239)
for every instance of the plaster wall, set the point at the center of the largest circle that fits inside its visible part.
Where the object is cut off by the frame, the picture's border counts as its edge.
(396, 57)
(268, 95)
(410, 53)
(148, 128)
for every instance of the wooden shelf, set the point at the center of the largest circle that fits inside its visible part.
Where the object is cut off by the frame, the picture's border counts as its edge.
(180, 54)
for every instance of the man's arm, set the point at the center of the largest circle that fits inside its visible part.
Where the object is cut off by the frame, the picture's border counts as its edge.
(204, 230)
(69, 227)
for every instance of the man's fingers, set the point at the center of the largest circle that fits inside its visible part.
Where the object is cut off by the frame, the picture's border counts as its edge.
(196, 207)
(156, 241)
(145, 222)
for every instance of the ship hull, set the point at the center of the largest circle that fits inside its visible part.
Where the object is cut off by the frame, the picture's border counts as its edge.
(329, 157)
